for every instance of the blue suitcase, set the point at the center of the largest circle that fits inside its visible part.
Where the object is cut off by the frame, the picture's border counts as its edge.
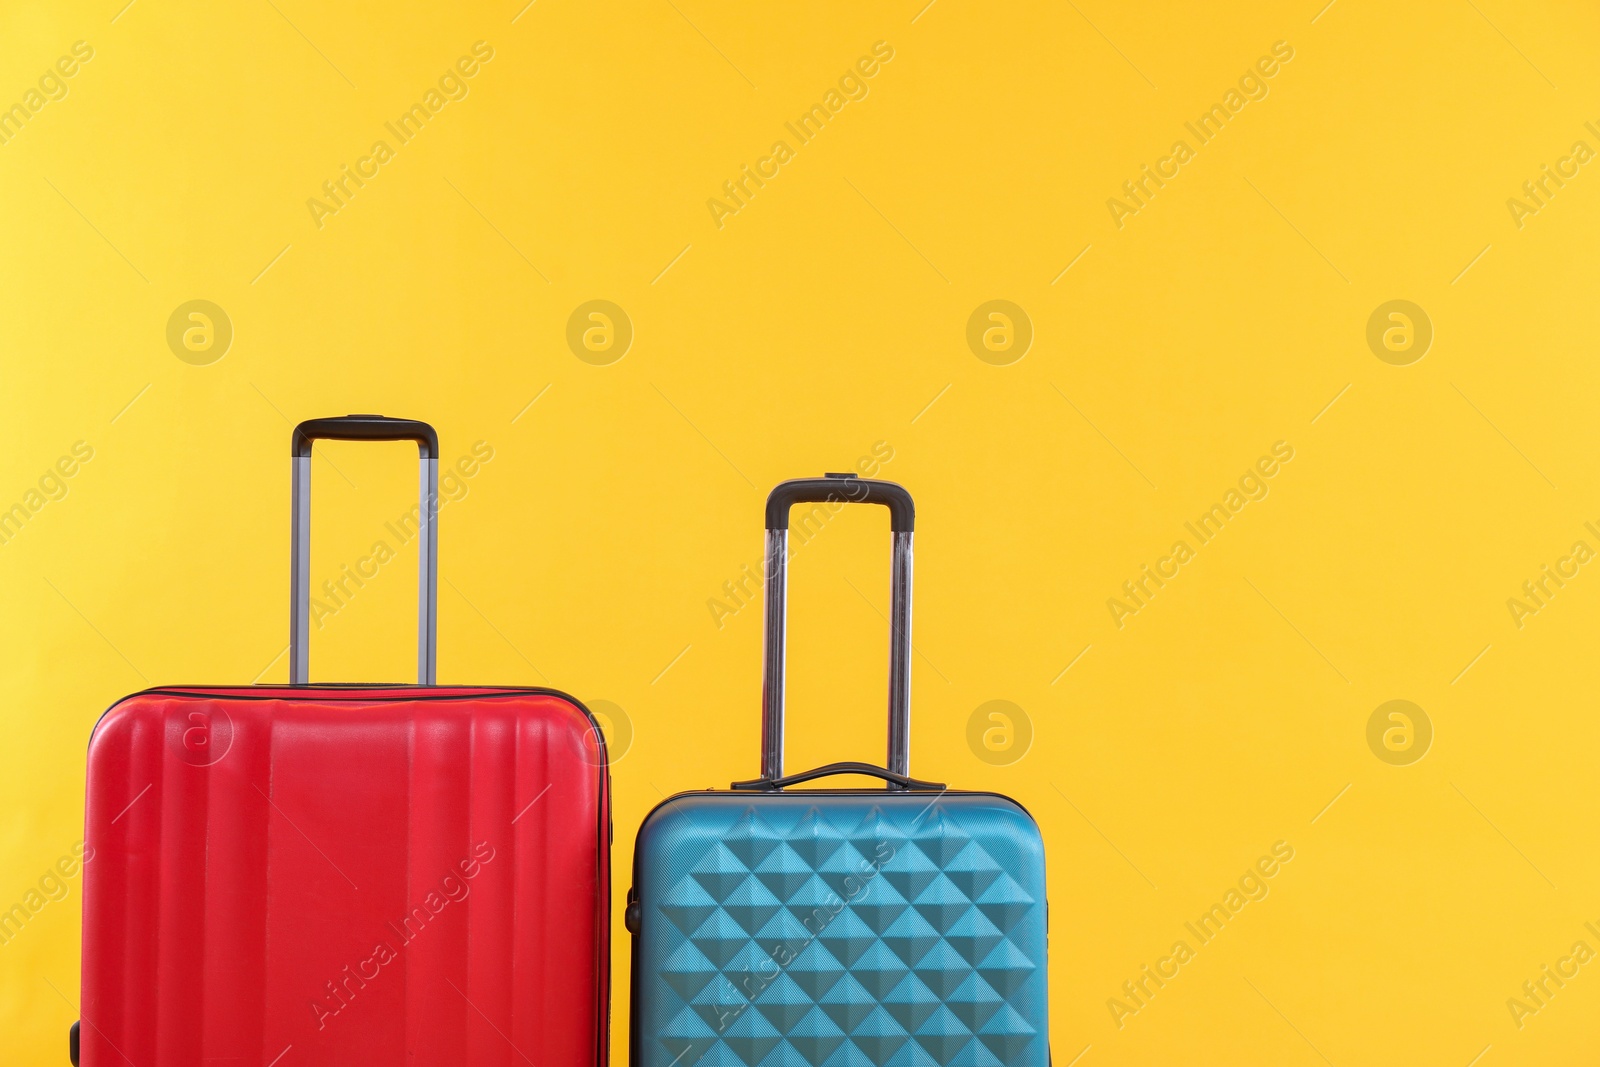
(778, 926)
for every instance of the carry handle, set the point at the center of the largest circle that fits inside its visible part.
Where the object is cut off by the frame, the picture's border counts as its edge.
(828, 488)
(363, 428)
(838, 488)
(869, 769)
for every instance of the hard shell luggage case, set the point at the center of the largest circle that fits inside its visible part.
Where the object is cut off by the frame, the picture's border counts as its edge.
(781, 926)
(299, 875)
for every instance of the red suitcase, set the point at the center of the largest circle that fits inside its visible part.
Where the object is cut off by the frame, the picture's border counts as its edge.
(314, 874)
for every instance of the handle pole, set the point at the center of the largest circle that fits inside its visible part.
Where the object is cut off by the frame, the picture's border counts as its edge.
(900, 656)
(845, 489)
(300, 574)
(364, 428)
(428, 572)
(775, 650)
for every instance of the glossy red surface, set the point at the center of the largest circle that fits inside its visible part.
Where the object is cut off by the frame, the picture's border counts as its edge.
(336, 875)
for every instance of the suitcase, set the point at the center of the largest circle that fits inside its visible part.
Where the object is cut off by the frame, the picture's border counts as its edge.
(347, 874)
(784, 925)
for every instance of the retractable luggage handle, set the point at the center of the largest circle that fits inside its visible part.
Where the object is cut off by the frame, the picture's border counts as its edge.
(363, 428)
(837, 488)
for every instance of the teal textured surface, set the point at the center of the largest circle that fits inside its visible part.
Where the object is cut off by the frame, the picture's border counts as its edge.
(840, 930)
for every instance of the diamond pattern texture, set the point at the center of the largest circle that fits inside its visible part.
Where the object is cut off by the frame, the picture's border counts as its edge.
(841, 930)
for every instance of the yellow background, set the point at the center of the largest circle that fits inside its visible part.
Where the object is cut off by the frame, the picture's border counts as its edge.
(824, 317)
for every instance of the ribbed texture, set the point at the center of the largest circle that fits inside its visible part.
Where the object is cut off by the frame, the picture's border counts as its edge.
(359, 878)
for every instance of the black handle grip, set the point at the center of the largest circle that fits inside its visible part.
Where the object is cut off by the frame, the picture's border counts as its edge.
(364, 428)
(845, 487)
(872, 770)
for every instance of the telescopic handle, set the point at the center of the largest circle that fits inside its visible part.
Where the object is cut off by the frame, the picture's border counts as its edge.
(838, 489)
(364, 428)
